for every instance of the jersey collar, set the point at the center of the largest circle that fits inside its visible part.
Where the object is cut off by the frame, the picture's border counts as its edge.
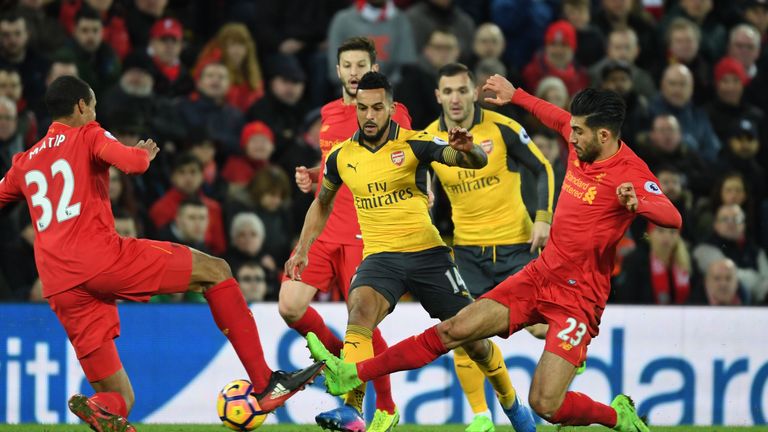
(394, 129)
(476, 119)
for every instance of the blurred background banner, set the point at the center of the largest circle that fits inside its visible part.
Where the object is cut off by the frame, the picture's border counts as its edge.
(682, 365)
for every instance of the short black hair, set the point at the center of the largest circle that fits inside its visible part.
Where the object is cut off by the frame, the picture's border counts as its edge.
(13, 15)
(185, 159)
(193, 201)
(453, 69)
(375, 80)
(357, 43)
(88, 13)
(602, 109)
(64, 93)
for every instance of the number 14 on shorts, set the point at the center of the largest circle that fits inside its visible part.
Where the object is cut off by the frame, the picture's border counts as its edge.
(572, 333)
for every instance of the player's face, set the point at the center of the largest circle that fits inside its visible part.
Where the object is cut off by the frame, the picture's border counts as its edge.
(584, 140)
(457, 95)
(374, 110)
(352, 66)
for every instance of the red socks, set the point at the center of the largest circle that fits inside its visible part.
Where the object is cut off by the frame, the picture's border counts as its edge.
(234, 319)
(411, 353)
(112, 402)
(311, 321)
(382, 385)
(579, 410)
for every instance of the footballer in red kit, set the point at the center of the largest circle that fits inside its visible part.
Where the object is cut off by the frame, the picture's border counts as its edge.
(338, 251)
(567, 286)
(85, 267)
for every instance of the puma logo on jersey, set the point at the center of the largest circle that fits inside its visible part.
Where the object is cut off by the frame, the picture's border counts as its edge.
(354, 344)
(354, 167)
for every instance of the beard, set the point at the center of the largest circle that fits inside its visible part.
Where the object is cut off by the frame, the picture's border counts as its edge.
(372, 139)
(349, 91)
(590, 152)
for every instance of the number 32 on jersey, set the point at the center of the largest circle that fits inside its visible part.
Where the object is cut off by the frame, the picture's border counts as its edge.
(64, 210)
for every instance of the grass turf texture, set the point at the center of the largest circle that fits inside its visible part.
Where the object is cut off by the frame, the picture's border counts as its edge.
(401, 428)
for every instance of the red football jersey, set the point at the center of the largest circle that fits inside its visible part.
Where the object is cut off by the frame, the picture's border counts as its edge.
(65, 180)
(339, 123)
(589, 220)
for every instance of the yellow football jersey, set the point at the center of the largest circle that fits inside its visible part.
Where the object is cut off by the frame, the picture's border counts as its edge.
(487, 203)
(388, 185)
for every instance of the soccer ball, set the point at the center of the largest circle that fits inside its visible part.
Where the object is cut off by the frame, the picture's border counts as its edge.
(238, 409)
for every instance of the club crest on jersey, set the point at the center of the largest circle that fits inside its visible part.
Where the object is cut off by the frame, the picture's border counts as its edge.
(487, 146)
(398, 157)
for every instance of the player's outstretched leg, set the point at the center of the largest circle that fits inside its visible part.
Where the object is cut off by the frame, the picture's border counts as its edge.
(234, 318)
(472, 382)
(96, 416)
(627, 419)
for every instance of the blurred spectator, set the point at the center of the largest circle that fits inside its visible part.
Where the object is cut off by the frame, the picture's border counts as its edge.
(683, 40)
(11, 141)
(622, 46)
(744, 44)
(658, 271)
(557, 59)
(699, 12)
(59, 67)
(208, 109)
(729, 105)
(258, 143)
(189, 226)
(485, 69)
(619, 14)
(590, 43)
(172, 78)
(247, 238)
(234, 47)
(97, 63)
(115, 29)
(730, 188)
(18, 263)
(488, 43)
(617, 76)
(383, 23)
(549, 143)
(672, 182)
(522, 22)
(664, 146)
(729, 241)
(253, 282)
(739, 154)
(186, 182)
(204, 149)
(417, 88)
(10, 87)
(46, 35)
(132, 101)
(125, 224)
(553, 90)
(15, 52)
(429, 15)
(141, 15)
(675, 99)
(721, 285)
(267, 195)
(756, 14)
(282, 108)
(121, 196)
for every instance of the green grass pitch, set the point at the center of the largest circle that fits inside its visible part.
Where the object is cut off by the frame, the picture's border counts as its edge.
(313, 428)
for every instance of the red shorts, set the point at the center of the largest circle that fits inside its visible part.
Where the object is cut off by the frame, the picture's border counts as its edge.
(532, 299)
(145, 268)
(331, 265)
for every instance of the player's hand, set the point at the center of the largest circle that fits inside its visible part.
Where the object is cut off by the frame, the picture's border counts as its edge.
(303, 179)
(296, 265)
(150, 147)
(502, 87)
(627, 196)
(430, 198)
(460, 139)
(539, 235)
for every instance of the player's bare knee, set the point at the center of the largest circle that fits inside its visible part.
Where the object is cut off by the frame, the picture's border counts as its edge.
(129, 397)
(447, 332)
(545, 406)
(290, 310)
(478, 350)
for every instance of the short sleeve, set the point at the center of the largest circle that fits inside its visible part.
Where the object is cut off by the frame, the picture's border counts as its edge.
(331, 178)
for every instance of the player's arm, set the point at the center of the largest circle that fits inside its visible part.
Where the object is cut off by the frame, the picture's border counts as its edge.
(460, 151)
(550, 115)
(307, 177)
(130, 160)
(643, 196)
(316, 217)
(10, 191)
(521, 148)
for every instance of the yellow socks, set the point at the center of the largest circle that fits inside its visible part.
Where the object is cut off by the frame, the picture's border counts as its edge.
(472, 380)
(358, 346)
(494, 368)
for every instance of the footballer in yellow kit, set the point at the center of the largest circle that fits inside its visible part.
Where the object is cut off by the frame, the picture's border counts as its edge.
(385, 168)
(494, 236)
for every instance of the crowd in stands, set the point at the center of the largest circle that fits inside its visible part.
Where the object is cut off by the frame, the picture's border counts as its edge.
(231, 91)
